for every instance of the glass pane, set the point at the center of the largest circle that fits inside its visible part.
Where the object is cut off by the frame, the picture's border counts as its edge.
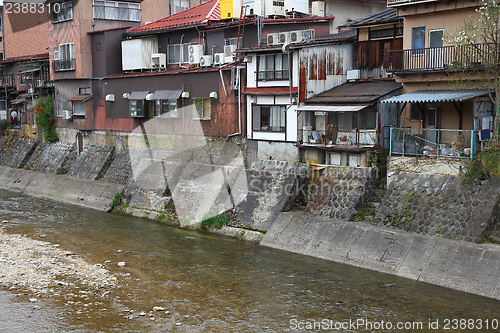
(418, 38)
(256, 118)
(370, 119)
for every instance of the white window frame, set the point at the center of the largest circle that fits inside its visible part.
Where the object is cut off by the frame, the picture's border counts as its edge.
(178, 6)
(60, 104)
(181, 53)
(275, 120)
(78, 108)
(168, 112)
(116, 10)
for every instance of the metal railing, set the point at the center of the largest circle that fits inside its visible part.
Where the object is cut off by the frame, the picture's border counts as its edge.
(272, 75)
(463, 57)
(332, 137)
(438, 143)
(63, 65)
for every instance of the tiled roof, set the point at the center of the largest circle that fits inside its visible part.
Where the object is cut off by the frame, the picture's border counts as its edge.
(208, 11)
(388, 15)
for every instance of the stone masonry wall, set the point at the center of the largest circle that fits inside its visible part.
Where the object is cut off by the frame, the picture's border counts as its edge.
(442, 205)
(340, 191)
(15, 152)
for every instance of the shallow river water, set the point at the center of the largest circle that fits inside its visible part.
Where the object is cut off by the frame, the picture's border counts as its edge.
(200, 282)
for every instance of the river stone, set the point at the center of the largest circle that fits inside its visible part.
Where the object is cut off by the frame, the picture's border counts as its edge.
(121, 264)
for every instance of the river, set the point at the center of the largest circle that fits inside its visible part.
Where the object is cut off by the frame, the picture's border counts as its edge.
(177, 280)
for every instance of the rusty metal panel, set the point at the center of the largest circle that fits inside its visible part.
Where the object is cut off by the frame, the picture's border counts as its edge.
(323, 67)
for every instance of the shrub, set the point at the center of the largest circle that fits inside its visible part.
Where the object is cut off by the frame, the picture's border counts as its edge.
(44, 113)
(485, 162)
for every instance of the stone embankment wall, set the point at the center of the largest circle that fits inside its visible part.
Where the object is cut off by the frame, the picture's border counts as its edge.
(440, 205)
(340, 191)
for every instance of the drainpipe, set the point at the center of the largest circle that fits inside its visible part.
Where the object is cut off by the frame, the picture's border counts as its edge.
(238, 76)
(182, 108)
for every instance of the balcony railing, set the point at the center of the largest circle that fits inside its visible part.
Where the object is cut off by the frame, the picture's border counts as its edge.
(63, 65)
(465, 57)
(272, 75)
(436, 143)
(392, 3)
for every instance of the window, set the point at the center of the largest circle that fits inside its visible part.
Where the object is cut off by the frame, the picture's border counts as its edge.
(178, 6)
(272, 67)
(202, 108)
(78, 108)
(418, 40)
(166, 108)
(114, 10)
(269, 118)
(60, 105)
(415, 113)
(178, 53)
(136, 108)
(62, 11)
(23, 79)
(84, 91)
(367, 119)
(383, 33)
(231, 41)
(64, 57)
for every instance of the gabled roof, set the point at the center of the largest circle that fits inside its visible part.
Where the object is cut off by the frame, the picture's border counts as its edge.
(356, 92)
(389, 15)
(198, 15)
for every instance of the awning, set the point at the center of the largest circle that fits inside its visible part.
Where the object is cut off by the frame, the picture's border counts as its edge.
(427, 96)
(138, 94)
(167, 94)
(333, 108)
(80, 98)
(29, 71)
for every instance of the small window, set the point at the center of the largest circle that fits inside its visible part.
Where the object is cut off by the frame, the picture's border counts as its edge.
(84, 91)
(62, 11)
(78, 108)
(415, 113)
(167, 108)
(272, 67)
(60, 105)
(418, 40)
(367, 119)
(269, 118)
(136, 108)
(202, 108)
(179, 6)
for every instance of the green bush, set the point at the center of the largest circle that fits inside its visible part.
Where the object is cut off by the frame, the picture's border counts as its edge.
(486, 162)
(44, 113)
(217, 221)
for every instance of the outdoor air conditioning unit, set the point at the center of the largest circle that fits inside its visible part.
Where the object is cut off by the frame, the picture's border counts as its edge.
(284, 37)
(300, 36)
(195, 52)
(353, 75)
(272, 39)
(158, 60)
(218, 59)
(67, 114)
(229, 51)
(318, 8)
(206, 61)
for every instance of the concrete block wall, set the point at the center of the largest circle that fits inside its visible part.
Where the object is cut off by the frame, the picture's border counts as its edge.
(440, 205)
(15, 152)
(50, 157)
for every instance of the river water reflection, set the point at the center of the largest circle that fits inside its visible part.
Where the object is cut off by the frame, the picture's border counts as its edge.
(208, 283)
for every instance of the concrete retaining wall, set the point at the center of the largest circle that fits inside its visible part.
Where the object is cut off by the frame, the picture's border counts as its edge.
(458, 265)
(71, 190)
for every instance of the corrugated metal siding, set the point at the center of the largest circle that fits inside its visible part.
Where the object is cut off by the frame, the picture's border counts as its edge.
(322, 68)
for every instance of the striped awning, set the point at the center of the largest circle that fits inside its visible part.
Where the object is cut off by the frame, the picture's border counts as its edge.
(428, 96)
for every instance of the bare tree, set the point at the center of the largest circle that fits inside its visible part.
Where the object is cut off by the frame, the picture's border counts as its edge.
(477, 58)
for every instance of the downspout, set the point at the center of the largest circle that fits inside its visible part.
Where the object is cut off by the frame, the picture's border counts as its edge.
(238, 76)
(182, 107)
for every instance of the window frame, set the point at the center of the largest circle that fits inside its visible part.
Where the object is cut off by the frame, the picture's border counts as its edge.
(414, 110)
(272, 74)
(418, 44)
(281, 118)
(60, 104)
(160, 111)
(140, 111)
(81, 109)
(183, 53)
(58, 16)
(84, 91)
(115, 10)
(205, 101)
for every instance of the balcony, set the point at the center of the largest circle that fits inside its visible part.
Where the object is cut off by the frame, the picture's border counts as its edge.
(395, 3)
(63, 65)
(445, 58)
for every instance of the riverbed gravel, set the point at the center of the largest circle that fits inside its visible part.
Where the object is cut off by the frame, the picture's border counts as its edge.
(40, 267)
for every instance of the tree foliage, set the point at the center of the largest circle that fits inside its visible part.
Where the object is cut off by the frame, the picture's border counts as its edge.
(477, 43)
(44, 115)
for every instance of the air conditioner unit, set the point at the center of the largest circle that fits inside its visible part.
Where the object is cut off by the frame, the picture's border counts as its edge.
(300, 36)
(218, 59)
(229, 52)
(158, 60)
(206, 61)
(39, 83)
(67, 114)
(272, 39)
(195, 52)
(318, 8)
(284, 37)
(353, 74)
